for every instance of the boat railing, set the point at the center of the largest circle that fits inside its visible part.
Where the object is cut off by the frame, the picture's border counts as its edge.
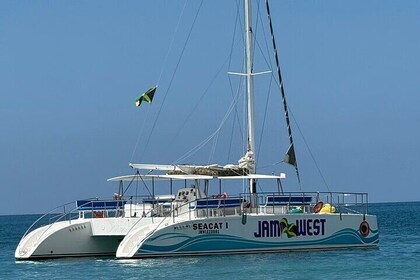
(86, 208)
(222, 205)
(218, 205)
(268, 203)
(308, 202)
(69, 213)
(96, 208)
(45, 219)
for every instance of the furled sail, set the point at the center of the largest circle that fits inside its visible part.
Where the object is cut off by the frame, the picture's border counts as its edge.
(290, 156)
(248, 162)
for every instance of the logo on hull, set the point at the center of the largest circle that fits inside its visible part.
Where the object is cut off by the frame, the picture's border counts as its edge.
(302, 227)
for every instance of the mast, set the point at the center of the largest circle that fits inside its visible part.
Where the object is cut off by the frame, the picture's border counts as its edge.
(250, 93)
(249, 77)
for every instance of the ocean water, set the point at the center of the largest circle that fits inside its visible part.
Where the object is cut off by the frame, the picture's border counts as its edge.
(398, 257)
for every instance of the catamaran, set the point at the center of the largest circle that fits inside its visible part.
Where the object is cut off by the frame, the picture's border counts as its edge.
(200, 218)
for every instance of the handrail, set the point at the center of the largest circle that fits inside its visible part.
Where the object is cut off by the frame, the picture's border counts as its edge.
(355, 202)
(43, 216)
(60, 216)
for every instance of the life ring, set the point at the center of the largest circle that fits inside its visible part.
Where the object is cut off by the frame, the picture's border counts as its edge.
(98, 214)
(364, 229)
(318, 206)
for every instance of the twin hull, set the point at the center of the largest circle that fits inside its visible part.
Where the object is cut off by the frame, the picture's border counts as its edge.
(75, 238)
(214, 235)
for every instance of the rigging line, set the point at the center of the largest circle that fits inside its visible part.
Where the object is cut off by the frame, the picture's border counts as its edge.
(172, 41)
(256, 41)
(145, 120)
(304, 140)
(286, 112)
(301, 134)
(205, 141)
(144, 183)
(269, 64)
(254, 32)
(244, 116)
(264, 119)
(228, 59)
(129, 184)
(236, 116)
(213, 149)
(310, 151)
(201, 97)
(173, 76)
(270, 165)
(194, 150)
(231, 140)
(238, 15)
(242, 83)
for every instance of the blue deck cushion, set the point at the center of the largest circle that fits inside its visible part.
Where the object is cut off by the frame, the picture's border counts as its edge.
(156, 201)
(100, 204)
(214, 203)
(288, 200)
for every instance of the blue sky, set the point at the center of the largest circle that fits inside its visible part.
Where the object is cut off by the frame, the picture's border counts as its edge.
(70, 72)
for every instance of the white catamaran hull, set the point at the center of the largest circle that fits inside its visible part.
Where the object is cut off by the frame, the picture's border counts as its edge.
(77, 238)
(253, 233)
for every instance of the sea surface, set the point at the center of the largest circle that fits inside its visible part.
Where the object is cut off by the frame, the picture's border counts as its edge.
(398, 257)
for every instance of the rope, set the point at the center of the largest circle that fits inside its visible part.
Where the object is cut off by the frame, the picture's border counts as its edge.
(172, 42)
(145, 120)
(286, 112)
(205, 141)
(280, 85)
(214, 135)
(310, 151)
(213, 148)
(236, 118)
(269, 64)
(172, 78)
(201, 98)
(231, 139)
(263, 124)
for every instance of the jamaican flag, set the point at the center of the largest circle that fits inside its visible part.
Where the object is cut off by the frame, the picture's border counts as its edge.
(147, 96)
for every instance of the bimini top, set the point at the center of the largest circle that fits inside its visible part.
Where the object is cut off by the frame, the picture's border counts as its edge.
(192, 177)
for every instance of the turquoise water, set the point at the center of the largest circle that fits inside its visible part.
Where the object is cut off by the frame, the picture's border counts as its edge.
(398, 257)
